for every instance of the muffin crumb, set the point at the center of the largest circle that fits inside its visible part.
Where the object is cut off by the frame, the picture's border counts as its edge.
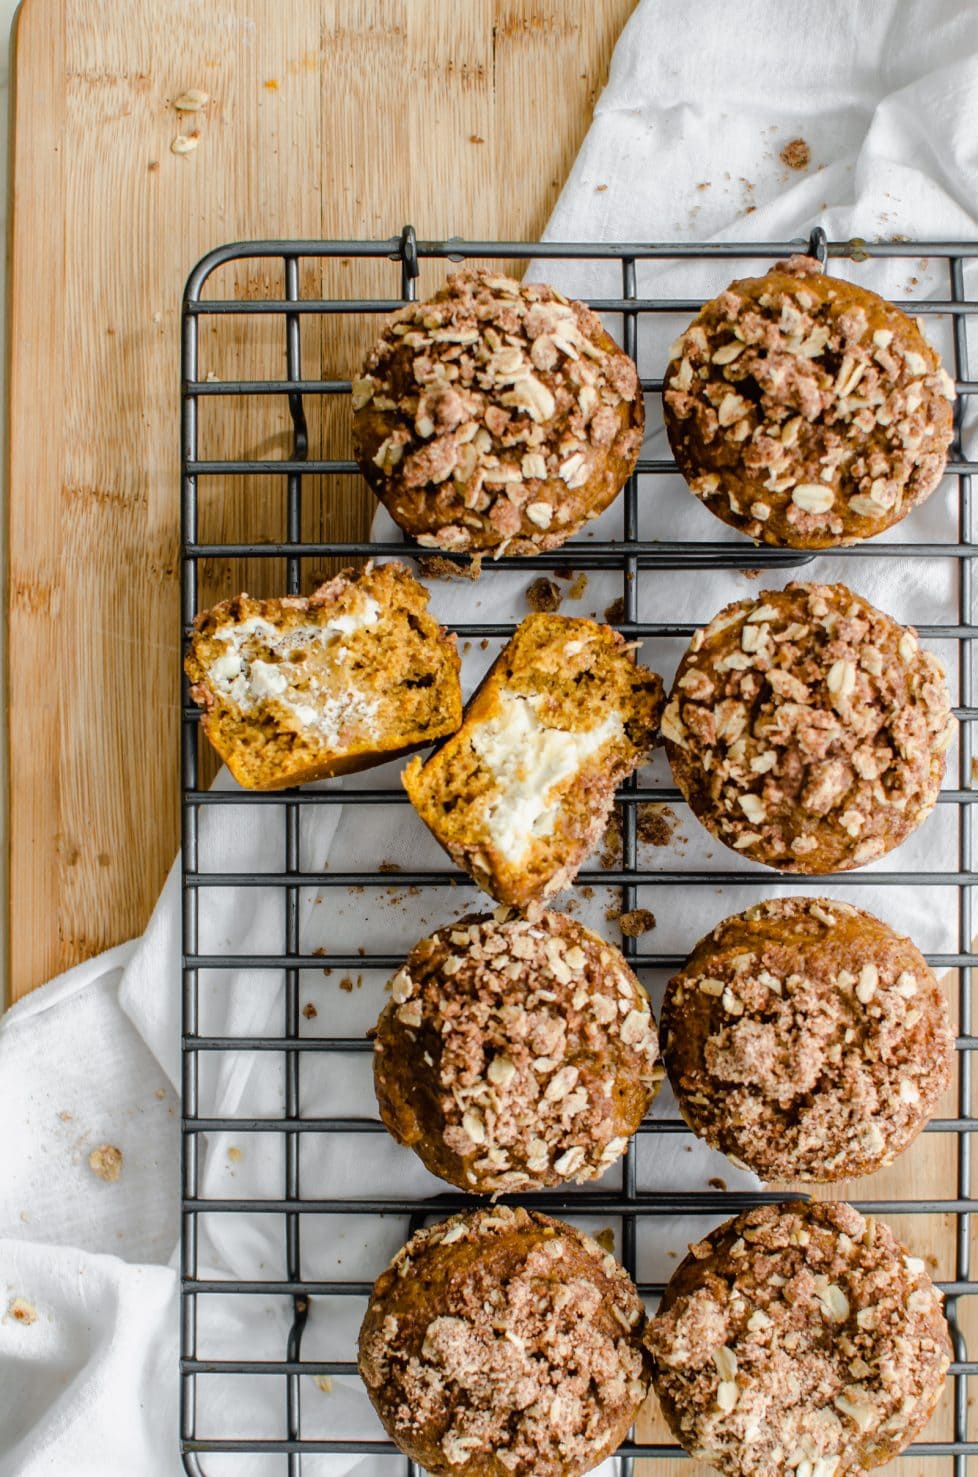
(106, 1162)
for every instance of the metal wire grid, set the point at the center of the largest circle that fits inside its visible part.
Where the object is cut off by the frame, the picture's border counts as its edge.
(627, 557)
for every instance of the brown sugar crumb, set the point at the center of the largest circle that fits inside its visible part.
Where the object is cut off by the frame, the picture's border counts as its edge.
(437, 567)
(716, 1183)
(235, 1154)
(106, 1162)
(611, 842)
(615, 612)
(348, 985)
(309, 1011)
(578, 586)
(798, 1336)
(606, 1239)
(319, 952)
(389, 867)
(504, 1341)
(796, 154)
(612, 913)
(705, 184)
(636, 922)
(655, 823)
(21, 1311)
(600, 189)
(476, 138)
(543, 595)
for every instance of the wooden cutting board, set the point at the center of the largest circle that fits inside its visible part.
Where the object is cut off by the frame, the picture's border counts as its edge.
(328, 118)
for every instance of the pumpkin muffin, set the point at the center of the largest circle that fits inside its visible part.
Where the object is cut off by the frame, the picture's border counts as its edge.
(515, 1055)
(496, 417)
(521, 794)
(807, 1040)
(801, 1338)
(807, 729)
(807, 411)
(298, 689)
(504, 1344)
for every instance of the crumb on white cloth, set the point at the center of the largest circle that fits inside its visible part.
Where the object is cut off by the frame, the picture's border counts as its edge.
(106, 1162)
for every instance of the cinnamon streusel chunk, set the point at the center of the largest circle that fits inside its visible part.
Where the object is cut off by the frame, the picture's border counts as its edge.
(495, 416)
(807, 729)
(807, 1040)
(522, 792)
(798, 1338)
(505, 1344)
(805, 410)
(515, 1055)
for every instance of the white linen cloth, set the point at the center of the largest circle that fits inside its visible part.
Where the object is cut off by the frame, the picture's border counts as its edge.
(686, 137)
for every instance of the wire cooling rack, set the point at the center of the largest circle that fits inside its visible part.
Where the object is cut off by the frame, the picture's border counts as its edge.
(273, 275)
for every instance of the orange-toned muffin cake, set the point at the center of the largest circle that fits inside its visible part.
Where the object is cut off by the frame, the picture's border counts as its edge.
(798, 1338)
(522, 792)
(515, 1055)
(807, 729)
(807, 1040)
(298, 689)
(505, 1344)
(807, 411)
(495, 416)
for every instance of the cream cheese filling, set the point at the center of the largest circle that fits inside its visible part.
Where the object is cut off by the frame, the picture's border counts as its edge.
(249, 681)
(530, 765)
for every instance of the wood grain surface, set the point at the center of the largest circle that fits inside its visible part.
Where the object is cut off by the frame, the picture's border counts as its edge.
(328, 118)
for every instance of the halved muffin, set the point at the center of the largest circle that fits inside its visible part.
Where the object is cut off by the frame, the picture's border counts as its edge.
(522, 792)
(297, 689)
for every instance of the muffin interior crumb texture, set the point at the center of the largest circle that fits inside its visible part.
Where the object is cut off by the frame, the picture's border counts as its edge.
(505, 1342)
(806, 410)
(520, 795)
(496, 416)
(807, 729)
(799, 1338)
(296, 688)
(515, 1055)
(807, 1040)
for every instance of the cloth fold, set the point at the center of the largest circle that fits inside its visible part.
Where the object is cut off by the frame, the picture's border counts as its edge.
(685, 144)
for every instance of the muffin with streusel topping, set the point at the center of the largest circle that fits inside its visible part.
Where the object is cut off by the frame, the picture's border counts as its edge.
(505, 1344)
(496, 416)
(807, 1040)
(807, 729)
(798, 1338)
(515, 1055)
(807, 411)
(523, 791)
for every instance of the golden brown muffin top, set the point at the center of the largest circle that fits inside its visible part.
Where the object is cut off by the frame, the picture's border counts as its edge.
(488, 391)
(807, 729)
(525, 1052)
(798, 1336)
(807, 410)
(505, 1342)
(807, 1040)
